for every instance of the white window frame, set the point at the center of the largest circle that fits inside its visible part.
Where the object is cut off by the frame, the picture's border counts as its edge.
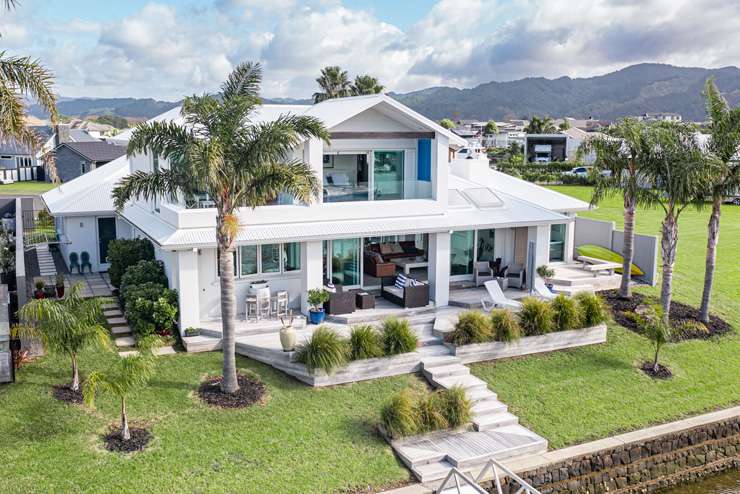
(259, 274)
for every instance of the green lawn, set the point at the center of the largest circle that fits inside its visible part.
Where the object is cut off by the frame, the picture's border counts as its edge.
(302, 440)
(25, 188)
(569, 397)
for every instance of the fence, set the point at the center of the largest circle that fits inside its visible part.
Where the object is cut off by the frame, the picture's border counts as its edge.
(605, 234)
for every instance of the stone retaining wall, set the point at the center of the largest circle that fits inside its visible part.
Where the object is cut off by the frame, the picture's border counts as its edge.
(645, 465)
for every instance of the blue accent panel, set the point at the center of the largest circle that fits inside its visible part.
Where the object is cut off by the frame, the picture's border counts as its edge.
(424, 165)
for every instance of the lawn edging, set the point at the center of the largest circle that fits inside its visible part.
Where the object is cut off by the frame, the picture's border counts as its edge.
(527, 345)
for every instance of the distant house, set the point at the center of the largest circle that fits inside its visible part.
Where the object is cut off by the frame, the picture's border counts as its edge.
(18, 163)
(562, 146)
(660, 117)
(77, 158)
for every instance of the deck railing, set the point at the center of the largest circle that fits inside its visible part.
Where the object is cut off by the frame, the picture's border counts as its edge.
(38, 227)
(464, 484)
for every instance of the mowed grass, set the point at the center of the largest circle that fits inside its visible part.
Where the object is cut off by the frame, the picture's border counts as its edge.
(302, 440)
(26, 188)
(573, 396)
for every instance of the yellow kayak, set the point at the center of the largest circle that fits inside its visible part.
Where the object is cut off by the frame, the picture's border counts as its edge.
(599, 252)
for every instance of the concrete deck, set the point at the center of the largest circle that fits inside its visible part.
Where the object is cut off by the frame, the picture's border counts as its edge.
(572, 278)
(469, 298)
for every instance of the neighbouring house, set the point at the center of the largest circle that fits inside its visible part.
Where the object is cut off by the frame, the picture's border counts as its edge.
(392, 201)
(77, 158)
(18, 163)
(558, 147)
(660, 117)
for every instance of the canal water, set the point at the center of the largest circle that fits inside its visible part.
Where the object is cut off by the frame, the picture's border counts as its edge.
(727, 483)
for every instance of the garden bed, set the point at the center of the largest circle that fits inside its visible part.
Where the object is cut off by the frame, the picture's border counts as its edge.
(527, 345)
(681, 316)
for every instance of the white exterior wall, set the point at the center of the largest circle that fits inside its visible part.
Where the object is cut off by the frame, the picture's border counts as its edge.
(439, 268)
(541, 236)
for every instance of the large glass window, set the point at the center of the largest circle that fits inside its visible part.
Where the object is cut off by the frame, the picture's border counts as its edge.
(292, 257)
(461, 252)
(270, 258)
(486, 242)
(248, 263)
(345, 177)
(345, 262)
(388, 175)
(557, 243)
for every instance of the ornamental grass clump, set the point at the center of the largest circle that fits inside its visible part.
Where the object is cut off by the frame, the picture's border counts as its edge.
(565, 313)
(325, 350)
(398, 337)
(430, 410)
(505, 326)
(454, 406)
(471, 327)
(365, 342)
(592, 308)
(400, 416)
(535, 317)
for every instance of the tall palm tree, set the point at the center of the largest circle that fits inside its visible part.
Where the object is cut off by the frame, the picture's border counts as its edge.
(678, 173)
(334, 83)
(724, 142)
(66, 326)
(237, 163)
(366, 84)
(539, 125)
(21, 78)
(123, 377)
(621, 153)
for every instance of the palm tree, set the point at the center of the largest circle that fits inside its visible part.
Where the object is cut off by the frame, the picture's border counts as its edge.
(621, 153)
(66, 326)
(724, 142)
(447, 123)
(678, 173)
(366, 84)
(334, 83)
(22, 78)
(237, 163)
(539, 125)
(655, 327)
(123, 377)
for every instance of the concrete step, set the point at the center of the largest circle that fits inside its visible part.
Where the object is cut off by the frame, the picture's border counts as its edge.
(117, 321)
(469, 383)
(120, 330)
(125, 341)
(494, 420)
(433, 351)
(197, 344)
(432, 471)
(415, 457)
(572, 289)
(429, 340)
(479, 395)
(488, 407)
(113, 313)
(446, 371)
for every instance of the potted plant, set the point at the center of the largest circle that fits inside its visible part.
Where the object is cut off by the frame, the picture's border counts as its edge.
(15, 338)
(316, 299)
(49, 291)
(39, 292)
(60, 285)
(546, 273)
(287, 333)
(191, 331)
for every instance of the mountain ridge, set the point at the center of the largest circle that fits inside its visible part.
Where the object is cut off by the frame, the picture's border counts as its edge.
(632, 90)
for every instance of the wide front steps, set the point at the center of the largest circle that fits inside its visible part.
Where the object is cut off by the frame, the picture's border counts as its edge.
(416, 315)
(45, 261)
(497, 433)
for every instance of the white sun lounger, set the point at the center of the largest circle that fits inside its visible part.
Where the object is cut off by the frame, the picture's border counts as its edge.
(541, 289)
(497, 298)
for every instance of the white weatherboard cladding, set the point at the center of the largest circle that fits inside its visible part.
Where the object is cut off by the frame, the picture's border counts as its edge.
(372, 121)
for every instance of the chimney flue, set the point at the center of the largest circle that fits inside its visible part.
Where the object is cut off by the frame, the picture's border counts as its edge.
(61, 134)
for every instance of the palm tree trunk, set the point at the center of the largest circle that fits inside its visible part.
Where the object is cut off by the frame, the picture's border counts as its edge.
(668, 246)
(229, 384)
(628, 246)
(711, 260)
(655, 360)
(125, 432)
(75, 374)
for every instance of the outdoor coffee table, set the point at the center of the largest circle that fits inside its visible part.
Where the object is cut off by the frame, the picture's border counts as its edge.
(410, 263)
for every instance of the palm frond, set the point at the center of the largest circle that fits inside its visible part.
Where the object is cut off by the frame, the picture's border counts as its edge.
(244, 81)
(201, 114)
(266, 182)
(29, 77)
(148, 185)
(10, 4)
(166, 139)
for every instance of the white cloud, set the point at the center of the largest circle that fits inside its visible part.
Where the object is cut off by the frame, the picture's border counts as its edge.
(167, 52)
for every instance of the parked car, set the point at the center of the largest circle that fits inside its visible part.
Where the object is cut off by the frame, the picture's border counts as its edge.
(579, 171)
(733, 199)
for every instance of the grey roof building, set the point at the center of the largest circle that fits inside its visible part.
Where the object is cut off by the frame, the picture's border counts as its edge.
(76, 158)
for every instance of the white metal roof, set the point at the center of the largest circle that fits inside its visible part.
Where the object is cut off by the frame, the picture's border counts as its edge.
(89, 193)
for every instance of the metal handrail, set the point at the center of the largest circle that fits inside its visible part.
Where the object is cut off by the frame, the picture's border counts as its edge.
(494, 466)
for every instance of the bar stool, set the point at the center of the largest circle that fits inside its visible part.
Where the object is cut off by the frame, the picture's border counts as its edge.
(263, 303)
(280, 304)
(252, 308)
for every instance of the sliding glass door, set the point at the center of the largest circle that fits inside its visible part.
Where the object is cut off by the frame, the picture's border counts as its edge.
(388, 175)
(345, 262)
(462, 246)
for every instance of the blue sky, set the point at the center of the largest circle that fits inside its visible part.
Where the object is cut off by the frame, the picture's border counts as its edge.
(169, 48)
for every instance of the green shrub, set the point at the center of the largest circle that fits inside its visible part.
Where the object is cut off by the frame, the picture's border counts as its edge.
(324, 350)
(505, 326)
(399, 415)
(398, 337)
(455, 406)
(140, 273)
(535, 317)
(123, 253)
(592, 308)
(150, 308)
(471, 327)
(430, 409)
(565, 313)
(365, 342)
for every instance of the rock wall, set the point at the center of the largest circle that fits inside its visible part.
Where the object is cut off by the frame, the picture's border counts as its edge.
(643, 466)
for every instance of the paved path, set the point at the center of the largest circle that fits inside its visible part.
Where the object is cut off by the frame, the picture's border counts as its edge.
(93, 284)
